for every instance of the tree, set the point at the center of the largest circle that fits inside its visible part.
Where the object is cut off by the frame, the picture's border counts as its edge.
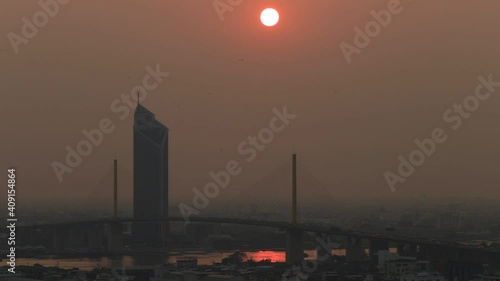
(235, 258)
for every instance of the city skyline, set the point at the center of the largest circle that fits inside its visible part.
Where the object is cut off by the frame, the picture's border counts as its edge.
(345, 129)
(250, 140)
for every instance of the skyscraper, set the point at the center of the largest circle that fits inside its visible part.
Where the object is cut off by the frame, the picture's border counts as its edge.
(150, 176)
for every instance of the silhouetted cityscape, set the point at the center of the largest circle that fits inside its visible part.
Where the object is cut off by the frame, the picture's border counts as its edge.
(249, 140)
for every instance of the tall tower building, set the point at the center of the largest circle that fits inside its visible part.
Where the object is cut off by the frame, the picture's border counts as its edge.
(150, 176)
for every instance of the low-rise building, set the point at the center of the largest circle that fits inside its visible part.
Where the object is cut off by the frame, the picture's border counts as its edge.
(422, 276)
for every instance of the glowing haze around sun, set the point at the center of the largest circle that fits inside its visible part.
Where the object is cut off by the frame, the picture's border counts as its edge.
(269, 17)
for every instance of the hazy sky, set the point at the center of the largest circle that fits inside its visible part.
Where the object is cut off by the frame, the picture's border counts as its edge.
(353, 120)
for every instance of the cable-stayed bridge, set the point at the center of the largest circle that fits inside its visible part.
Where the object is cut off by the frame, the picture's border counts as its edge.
(282, 194)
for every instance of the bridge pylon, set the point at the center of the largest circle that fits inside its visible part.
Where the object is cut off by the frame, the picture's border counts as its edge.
(294, 188)
(294, 237)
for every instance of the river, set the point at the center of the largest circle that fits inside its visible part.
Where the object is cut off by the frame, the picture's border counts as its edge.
(204, 258)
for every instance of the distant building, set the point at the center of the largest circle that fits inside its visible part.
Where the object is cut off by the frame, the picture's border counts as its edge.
(150, 176)
(487, 277)
(451, 220)
(389, 218)
(394, 269)
(186, 262)
(393, 266)
(479, 232)
(423, 276)
(195, 276)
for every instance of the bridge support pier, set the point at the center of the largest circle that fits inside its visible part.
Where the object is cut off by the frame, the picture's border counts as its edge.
(294, 246)
(354, 249)
(323, 243)
(407, 250)
(25, 238)
(150, 233)
(375, 246)
(462, 271)
(78, 236)
(114, 237)
(61, 240)
(95, 237)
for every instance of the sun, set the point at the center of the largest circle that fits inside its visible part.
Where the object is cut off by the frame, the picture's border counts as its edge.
(269, 17)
